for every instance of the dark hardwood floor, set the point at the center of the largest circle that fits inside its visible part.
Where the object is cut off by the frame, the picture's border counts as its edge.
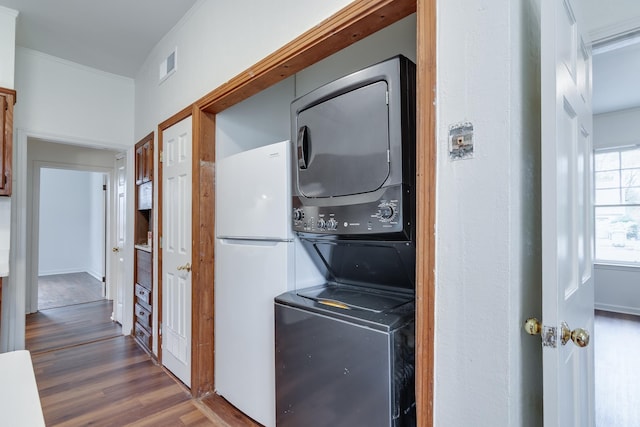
(617, 375)
(89, 374)
(69, 326)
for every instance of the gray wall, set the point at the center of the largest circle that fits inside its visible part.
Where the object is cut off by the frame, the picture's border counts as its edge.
(71, 222)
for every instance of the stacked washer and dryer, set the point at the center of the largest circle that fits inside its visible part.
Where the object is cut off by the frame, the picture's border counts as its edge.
(345, 349)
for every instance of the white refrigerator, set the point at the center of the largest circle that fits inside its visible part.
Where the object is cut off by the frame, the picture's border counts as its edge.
(254, 262)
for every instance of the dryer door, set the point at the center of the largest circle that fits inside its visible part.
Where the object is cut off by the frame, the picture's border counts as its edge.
(343, 143)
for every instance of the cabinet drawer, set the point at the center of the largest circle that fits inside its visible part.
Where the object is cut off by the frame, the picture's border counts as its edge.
(143, 336)
(143, 294)
(143, 268)
(143, 315)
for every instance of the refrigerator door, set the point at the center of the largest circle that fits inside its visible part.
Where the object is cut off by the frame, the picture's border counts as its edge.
(249, 274)
(253, 194)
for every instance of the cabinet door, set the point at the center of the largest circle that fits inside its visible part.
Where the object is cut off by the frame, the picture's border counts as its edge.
(139, 165)
(3, 110)
(6, 142)
(147, 162)
(7, 98)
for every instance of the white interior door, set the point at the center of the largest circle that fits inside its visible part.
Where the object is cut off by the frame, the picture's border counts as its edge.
(176, 250)
(120, 227)
(567, 243)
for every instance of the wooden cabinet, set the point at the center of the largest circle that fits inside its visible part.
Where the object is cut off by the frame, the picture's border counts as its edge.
(143, 228)
(144, 160)
(7, 100)
(143, 301)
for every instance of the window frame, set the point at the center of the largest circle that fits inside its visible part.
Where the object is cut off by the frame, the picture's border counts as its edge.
(620, 187)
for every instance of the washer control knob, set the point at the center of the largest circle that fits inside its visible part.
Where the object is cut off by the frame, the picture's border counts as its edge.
(386, 212)
(332, 224)
(298, 214)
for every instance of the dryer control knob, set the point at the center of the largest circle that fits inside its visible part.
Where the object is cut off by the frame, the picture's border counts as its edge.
(298, 214)
(332, 224)
(322, 224)
(386, 212)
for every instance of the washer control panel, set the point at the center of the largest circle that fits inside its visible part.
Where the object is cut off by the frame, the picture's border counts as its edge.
(381, 216)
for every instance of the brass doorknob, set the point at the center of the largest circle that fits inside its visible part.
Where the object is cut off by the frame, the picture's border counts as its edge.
(532, 326)
(579, 336)
(186, 267)
(116, 249)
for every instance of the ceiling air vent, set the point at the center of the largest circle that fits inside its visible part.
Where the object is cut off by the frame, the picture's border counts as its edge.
(169, 65)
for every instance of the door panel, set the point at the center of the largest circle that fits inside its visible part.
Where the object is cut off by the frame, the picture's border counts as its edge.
(568, 294)
(120, 236)
(176, 250)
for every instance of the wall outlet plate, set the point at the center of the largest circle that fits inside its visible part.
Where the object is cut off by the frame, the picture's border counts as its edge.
(461, 141)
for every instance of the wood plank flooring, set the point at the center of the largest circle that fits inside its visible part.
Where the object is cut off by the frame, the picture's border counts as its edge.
(72, 325)
(111, 383)
(617, 377)
(89, 374)
(59, 290)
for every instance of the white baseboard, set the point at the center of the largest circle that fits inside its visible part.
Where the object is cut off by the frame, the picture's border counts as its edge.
(96, 275)
(61, 271)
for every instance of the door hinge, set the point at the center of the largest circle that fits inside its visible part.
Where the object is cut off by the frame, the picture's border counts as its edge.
(104, 187)
(387, 97)
(160, 157)
(160, 241)
(159, 329)
(104, 279)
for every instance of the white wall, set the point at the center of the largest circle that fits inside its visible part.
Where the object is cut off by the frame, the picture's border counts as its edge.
(617, 288)
(73, 158)
(59, 98)
(7, 46)
(64, 221)
(487, 371)
(216, 41)
(71, 222)
(63, 102)
(7, 71)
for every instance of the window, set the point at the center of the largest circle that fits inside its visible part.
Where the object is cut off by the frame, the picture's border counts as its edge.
(617, 205)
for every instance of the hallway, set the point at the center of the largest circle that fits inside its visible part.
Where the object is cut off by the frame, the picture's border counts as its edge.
(88, 373)
(60, 290)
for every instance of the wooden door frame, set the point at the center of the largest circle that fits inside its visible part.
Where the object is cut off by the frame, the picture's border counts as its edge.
(356, 21)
